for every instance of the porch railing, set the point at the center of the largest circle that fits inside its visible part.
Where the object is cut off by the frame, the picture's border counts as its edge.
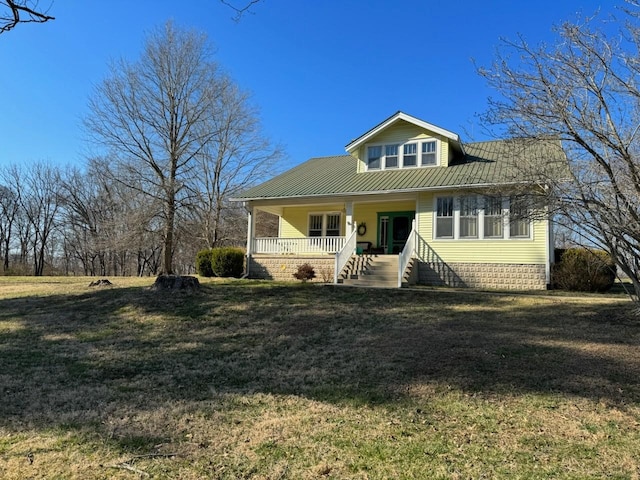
(298, 246)
(407, 253)
(343, 256)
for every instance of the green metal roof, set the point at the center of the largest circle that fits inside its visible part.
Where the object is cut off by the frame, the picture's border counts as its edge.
(484, 164)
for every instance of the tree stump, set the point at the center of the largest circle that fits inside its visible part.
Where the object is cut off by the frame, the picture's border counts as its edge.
(176, 282)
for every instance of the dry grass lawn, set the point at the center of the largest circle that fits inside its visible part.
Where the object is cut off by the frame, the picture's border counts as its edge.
(270, 381)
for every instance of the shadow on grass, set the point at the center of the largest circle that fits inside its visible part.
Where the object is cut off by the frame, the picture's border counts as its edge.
(81, 360)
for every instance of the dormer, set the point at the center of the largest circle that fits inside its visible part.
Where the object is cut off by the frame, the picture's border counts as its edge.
(405, 142)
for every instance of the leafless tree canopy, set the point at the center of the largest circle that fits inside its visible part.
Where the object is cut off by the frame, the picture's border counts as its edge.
(179, 131)
(13, 12)
(585, 91)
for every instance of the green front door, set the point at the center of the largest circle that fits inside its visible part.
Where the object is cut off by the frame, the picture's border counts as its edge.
(393, 230)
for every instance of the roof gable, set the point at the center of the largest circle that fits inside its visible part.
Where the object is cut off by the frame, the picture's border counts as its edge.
(393, 120)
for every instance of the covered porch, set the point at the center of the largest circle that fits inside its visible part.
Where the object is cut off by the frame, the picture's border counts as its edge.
(328, 234)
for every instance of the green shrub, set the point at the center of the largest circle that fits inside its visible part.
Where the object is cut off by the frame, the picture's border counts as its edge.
(227, 262)
(583, 270)
(305, 272)
(203, 263)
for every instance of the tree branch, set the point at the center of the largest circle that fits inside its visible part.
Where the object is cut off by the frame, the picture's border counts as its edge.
(240, 11)
(21, 12)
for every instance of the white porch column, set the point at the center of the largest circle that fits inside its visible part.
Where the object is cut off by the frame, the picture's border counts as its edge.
(251, 227)
(349, 215)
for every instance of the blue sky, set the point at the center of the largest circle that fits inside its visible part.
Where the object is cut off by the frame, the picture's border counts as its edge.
(322, 72)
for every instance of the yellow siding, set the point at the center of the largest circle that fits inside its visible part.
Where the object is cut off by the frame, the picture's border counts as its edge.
(368, 213)
(444, 152)
(359, 156)
(295, 220)
(513, 251)
(294, 224)
(401, 132)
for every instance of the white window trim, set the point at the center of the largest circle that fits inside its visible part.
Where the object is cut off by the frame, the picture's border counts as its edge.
(457, 205)
(506, 226)
(504, 215)
(436, 152)
(324, 222)
(417, 141)
(454, 218)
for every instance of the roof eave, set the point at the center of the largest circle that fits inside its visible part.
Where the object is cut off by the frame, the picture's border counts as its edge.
(383, 192)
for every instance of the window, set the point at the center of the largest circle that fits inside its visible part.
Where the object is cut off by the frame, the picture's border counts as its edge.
(477, 217)
(373, 157)
(333, 225)
(444, 217)
(468, 217)
(324, 224)
(493, 220)
(409, 156)
(315, 225)
(519, 221)
(428, 156)
(391, 156)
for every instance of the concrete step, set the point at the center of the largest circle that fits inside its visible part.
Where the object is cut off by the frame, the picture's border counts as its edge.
(372, 271)
(371, 283)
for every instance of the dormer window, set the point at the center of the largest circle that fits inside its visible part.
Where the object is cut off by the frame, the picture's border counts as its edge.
(428, 157)
(373, 157)
(412, 154)
(391, 156)
(409, 157)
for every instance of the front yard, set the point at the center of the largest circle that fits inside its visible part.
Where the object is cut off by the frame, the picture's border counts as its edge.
(274, 381)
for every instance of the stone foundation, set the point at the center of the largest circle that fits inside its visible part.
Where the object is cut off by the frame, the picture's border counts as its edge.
(483, 275)
(282, 267)
(473, 275)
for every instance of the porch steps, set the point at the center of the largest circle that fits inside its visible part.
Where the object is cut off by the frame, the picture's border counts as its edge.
(372, 271)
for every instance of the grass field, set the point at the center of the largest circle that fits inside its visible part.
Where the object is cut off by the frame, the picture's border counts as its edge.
(271, 381)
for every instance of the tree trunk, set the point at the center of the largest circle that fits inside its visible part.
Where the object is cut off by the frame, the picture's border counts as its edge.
(167, 253)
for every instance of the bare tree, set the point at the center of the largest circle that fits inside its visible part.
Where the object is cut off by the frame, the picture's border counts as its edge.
(9, 208)
(37, 191)
(152, 116)
(585, 92)
(237, 156)
(109, 228)
(13, 12)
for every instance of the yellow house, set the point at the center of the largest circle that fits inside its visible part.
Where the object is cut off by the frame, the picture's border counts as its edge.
(408, 203)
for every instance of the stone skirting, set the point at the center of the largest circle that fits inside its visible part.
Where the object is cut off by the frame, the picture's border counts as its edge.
(282, 267)
(483, 275)
(472, 275)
